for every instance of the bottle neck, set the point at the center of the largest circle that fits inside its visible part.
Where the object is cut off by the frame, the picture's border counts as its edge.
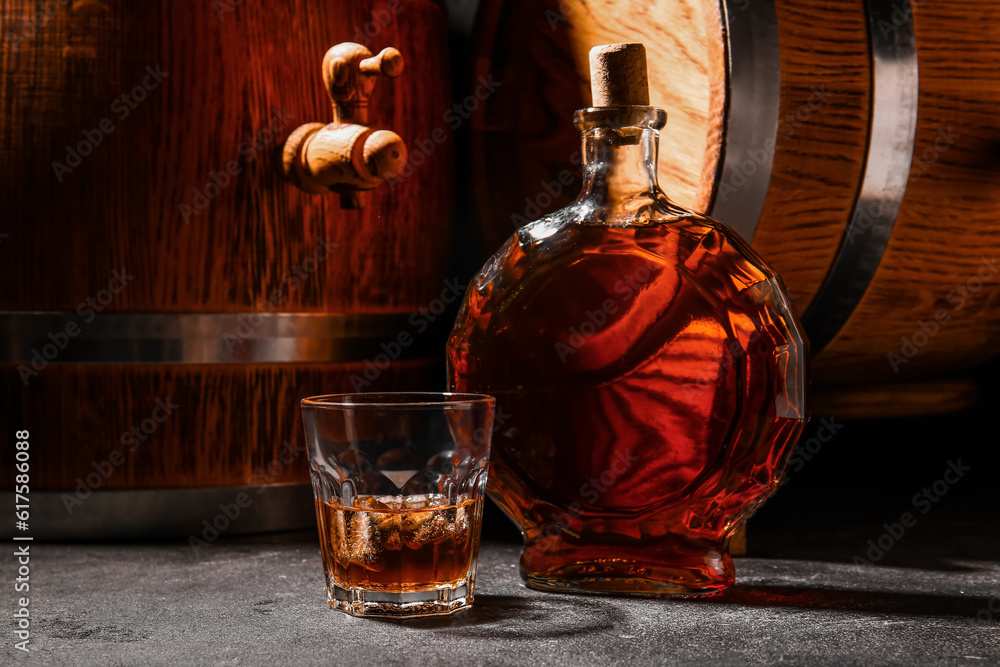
(620, 147)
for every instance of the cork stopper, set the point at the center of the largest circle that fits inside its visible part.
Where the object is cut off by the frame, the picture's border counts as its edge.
(618, 75)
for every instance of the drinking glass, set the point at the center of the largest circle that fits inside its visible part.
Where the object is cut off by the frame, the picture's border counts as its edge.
(399, 481)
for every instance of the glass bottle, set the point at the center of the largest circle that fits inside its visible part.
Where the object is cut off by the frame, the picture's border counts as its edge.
(648, 369)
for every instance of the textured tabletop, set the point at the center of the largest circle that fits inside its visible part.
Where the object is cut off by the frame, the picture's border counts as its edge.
(260, 601)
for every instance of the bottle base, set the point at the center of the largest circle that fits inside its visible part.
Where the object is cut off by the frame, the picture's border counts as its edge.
(667, 567)
(619, 586)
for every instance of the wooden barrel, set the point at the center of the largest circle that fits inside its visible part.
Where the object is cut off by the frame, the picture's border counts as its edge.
(855, 144)
(167, 297)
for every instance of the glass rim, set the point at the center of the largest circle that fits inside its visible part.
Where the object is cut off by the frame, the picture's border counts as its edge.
(397, 400)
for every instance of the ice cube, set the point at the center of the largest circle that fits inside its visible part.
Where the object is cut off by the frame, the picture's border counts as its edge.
(390, 537)
(360, 547)
(378, 502)
(391, 502)
(415, 528)
(366, 502)
(338, 531)
(424, 501)
(436, 500)
(461, 518)
(385, 530)
(427, 527)
(415, 501)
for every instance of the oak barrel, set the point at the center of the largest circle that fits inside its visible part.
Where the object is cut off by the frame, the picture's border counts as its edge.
(167, 297)
(855, 144)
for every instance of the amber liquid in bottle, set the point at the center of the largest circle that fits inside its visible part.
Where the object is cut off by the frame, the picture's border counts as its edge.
(649, 378)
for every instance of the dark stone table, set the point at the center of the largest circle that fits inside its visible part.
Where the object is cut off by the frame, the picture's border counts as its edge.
(260, 601)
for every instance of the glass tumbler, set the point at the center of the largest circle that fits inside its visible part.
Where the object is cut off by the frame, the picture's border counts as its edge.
(399, 481)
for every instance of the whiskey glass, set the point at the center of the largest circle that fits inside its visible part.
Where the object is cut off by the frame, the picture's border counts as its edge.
(399, 482)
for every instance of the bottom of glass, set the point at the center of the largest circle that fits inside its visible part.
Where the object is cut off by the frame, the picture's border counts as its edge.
(439, 601)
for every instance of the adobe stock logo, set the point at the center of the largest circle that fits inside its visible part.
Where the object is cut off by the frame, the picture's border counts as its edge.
(826, 432)
(591, 491)
(957, 298)
(86, 311)
(627, 288)
(122, 107)
(421, 321)
(923, 501)
(131, 439)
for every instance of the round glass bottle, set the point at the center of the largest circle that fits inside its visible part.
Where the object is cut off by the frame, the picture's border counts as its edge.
(649, 375)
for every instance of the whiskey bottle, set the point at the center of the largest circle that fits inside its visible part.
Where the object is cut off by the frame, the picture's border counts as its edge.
(648, 369)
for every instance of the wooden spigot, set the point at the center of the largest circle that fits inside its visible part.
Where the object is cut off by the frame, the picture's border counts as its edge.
(346, 156)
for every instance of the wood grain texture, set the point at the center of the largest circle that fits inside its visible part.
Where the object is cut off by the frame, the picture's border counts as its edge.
(918, 398)
(738, 542)
(822, 140)
(939, 260)
(252, 73)
(526, 152)
(226, 79)
(229, 427)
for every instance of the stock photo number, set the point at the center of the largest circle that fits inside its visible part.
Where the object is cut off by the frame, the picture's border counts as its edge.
(22, 616)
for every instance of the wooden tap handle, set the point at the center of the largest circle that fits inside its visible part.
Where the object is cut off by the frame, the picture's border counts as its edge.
(349, 71)
(388, 62)
(346, 156)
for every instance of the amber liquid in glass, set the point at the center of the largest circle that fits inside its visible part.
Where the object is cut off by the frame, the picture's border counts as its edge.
(647, 390)
(398, 544)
